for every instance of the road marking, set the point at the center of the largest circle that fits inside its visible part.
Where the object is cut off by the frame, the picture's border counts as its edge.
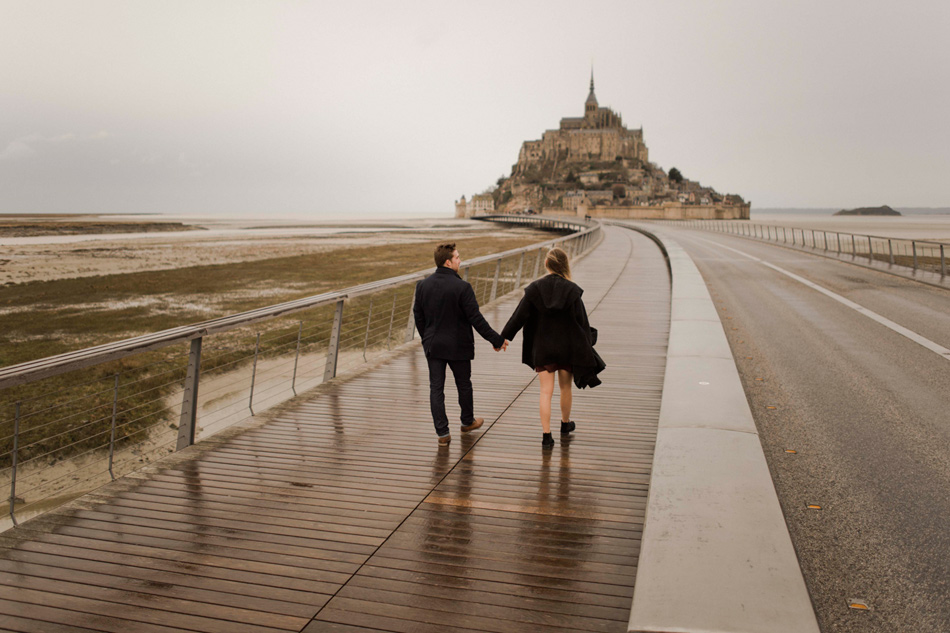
(900, 329)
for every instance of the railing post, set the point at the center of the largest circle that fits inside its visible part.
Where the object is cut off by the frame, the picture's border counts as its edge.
(890, 252)
(870, 251)
(494, 283)
(392, 319)
(369, 319)
(839, 241)
(913, 246)
(793, 236)
(537, 264)
(784, 235)
(824, 238)
(465, 274)
(187, 423)
(943, 263)
(257, 349)
(411, 324)
(13, 459)
(520, 268)
(115, 404)
(333, 348)
(293, 381)
(854, 247)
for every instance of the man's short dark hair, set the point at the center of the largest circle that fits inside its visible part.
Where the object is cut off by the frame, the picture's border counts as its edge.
(443, 253)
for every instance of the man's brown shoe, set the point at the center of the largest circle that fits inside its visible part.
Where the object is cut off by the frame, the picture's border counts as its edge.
(444, 440)
(476, 423)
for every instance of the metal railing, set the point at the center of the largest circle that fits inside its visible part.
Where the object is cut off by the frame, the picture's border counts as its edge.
(915, 254)
(72, 422)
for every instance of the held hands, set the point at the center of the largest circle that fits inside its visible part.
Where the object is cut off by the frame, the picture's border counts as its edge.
(504, 346)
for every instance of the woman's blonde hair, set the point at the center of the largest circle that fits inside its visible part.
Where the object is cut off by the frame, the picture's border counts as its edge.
(558, 263)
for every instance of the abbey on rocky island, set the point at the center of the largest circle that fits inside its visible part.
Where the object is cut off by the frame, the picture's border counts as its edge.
(594, 166)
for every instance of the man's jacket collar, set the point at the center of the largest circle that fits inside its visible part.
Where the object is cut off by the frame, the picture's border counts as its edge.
(445, 270)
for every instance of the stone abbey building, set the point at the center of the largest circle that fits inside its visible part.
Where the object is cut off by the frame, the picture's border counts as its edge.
(593, 165)
(598, 135)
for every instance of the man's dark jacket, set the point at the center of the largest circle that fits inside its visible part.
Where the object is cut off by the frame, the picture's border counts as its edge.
(556, 329)
(445, 312)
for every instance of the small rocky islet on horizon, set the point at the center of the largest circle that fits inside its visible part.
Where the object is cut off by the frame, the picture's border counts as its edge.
(594, 166)
(882, 210)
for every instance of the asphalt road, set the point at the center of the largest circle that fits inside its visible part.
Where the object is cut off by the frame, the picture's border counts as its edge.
(868, 412)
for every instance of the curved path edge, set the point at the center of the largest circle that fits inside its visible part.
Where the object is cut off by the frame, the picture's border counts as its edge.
(716, 554)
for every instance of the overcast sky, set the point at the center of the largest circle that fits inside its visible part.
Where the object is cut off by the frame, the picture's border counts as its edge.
(376, 109)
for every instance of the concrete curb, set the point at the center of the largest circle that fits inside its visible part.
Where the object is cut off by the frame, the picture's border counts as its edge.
(716, 556)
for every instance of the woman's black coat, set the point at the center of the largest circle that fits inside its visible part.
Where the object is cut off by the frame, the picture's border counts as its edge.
(556, 329)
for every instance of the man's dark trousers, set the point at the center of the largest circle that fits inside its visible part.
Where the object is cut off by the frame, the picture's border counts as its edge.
(445, 312)
(462, 371)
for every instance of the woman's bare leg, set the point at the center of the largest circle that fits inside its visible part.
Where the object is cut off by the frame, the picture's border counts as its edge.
(546, 379)
(564, 379)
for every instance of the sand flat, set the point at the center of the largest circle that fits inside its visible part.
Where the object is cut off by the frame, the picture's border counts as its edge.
(218, 241)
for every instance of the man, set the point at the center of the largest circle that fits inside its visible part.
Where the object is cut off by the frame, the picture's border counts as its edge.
(445, 312)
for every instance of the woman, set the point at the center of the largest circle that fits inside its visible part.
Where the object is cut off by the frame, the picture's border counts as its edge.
(558, 339)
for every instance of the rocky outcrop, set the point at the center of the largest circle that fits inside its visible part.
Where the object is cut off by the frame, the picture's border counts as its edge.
(882, 210)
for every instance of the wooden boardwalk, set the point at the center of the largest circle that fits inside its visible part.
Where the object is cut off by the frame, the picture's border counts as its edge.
(341, 514)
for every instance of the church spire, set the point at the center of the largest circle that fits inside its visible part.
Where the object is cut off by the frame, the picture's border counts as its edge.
(590, 106)
(590, 97)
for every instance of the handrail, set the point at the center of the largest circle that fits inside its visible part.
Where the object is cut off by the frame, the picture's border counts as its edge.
(30, 371)
(921, 252)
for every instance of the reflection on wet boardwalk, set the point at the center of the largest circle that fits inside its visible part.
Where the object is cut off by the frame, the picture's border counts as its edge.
(341, 514)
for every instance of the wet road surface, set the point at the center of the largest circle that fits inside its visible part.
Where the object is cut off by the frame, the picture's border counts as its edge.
(867, 412)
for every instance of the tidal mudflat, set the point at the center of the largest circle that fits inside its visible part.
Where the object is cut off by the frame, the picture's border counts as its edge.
(39, 248)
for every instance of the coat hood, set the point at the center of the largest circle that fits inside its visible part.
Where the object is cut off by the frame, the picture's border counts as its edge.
(553, 292)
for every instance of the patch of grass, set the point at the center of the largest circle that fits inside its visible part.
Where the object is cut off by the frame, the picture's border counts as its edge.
(60, 306)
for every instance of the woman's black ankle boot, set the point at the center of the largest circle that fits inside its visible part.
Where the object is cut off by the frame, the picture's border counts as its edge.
(547, 441)
(567, 427)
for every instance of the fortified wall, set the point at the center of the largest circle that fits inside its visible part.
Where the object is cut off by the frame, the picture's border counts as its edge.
(665, 211)
(593, 165)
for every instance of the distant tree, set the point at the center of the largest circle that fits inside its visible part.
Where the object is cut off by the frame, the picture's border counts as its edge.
(619, 192)
(501, 180)
(675, 175)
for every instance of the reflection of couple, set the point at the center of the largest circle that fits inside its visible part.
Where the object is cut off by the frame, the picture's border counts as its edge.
(558, 340)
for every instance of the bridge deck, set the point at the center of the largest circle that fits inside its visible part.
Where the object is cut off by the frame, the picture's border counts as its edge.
(340, 513)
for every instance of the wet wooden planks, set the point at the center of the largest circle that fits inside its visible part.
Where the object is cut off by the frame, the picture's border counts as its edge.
(341, 514)
(514, 538)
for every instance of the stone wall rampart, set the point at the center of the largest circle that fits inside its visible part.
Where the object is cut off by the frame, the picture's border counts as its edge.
(667, 211)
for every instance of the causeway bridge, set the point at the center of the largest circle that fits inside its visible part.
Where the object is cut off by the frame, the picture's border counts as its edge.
(767, 454)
